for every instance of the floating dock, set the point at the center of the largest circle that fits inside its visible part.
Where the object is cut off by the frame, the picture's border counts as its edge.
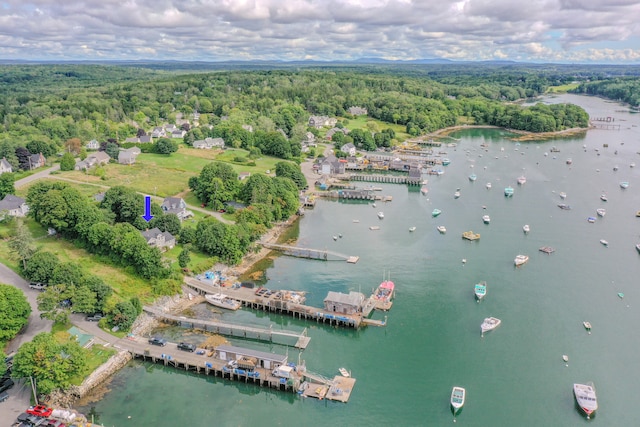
(547, 249)
(310, 253)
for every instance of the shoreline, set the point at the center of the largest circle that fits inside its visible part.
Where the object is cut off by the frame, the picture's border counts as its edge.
(524, 134)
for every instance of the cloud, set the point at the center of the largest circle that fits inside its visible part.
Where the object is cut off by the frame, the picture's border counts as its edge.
(540, 30)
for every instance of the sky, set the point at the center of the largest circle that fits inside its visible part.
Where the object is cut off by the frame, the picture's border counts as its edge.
(565, 31)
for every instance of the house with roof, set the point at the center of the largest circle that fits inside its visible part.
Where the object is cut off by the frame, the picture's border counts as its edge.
(357, 111)
(244, 175)
(333, 131)
(332, 166)
(5, 166)
(262, 359)
(128, 156)
(13, 206)
(322, 121)
(350, 303)
(37, 161)
(209, 143)
(177, 206)
(95, 159)
(349, 148)
(178, 133)
(159, 239)
(143, 139)
(158, 132)
(92, 145)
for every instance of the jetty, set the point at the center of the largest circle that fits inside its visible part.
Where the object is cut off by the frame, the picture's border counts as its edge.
(391, 179)
(310, 253)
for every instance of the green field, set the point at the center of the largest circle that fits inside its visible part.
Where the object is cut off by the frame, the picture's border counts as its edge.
(360, 122)
(562, 88)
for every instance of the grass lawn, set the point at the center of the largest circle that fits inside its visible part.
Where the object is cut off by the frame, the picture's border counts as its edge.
(360, 122)
(96, 356)
(562, 88)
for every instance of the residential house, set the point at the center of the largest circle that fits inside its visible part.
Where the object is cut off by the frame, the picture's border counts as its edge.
(209, 143)
(144, 139)
(95, 159)
(344, 303)
(178, 133)
(244, 175)
(322, 121)
(5, 166)
(159, 239)
(332, 166)
(37, 161)
(169, 128)
(128, 156)
(349, 148)
(158, 132)
(177, 206)
(92, 145)
(357, 111)
(13, 206)
(333, 131)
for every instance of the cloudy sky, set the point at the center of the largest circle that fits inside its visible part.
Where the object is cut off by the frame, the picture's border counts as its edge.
(598, 31)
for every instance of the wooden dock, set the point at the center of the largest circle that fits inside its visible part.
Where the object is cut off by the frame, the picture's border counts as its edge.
(310, 253)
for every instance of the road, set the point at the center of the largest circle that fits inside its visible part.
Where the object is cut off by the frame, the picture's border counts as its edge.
(38, 175)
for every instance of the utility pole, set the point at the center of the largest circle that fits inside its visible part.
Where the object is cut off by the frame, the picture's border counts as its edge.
(33, 389)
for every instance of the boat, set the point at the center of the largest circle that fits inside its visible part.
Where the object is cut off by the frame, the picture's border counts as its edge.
(555, 150)
(508, 191)
(374, 227)
(480, 290)
(603, 197)
(436, 212)
(456, 194)
(470, 235)
(373, 205)
(424, 190)
(624, 184)
(335, 237)
(638, 214)
(565, 357)
(601, 211)
(520, 259)
(222, 301)
(638, 248)
(486, 219)
(632, 165)
(563, 206)
(472, 177)
(412, 229)
(381, 215)
(384, 292)
(446, 162)
(615, 168)
(591, 219)
(547, 250)
(340, 235)
(344, 372)
(489, 324)
(356, 221)
(587, 326)
(442, 229)
(526, 229)
(563, 195)
(488, 185)
(620, 294)
(586, 399)
(522, 180)
(458, 395)
(604, 242)
(569, 161)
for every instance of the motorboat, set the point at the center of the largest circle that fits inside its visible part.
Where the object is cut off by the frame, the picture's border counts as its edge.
(601, 212)
(446, 162)
(638, 248)
(624, 185)
(412, 229)
(564, 206)
(486, 219)
(638, 214)
(424, 190)
(222, 301)
(587, 326)
(470, 235)
(456, 194)
(591, 219)
(472, 177)
(569, 161)
(436, 212)
(563, 195)
(565, 357)
(488, 186)
(335, 237)
(384, 292)
(526, 229)
(604, 243)
(520, 259)
(458, 395)
(480, 290)
(586, 399)
(603, 197)
(489, 324)
(508, 191)
(522, 180)
(442, 229)
(632, 165)
(381, 215)
(615, 168)
(344, 372)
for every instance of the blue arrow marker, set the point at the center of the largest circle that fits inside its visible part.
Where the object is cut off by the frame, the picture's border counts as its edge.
(147, 209)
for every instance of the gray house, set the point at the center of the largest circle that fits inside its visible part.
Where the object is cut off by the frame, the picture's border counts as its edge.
(177, 206)
(344, 303)
(95, 159)
(128, 156)
(209, 143)
(331, 165)
(349, 148)
(159, 239)
(264, 360)
(93, 145)
(13, 206)
(5, 166)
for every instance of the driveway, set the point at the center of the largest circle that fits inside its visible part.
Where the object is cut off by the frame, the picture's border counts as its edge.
(42, 174)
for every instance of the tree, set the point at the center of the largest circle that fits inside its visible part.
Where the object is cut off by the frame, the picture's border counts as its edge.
(7, 181)
(168, 222)
(51, 363)
(14, 312)
(101, 290)
(69, 273)
(112, 149)
(24, 158)
(22, 242)
(217, 182)
(184, 258)
(166, 146)
(68, 162)
(123, 315)
(72, 146)
(292, 171)
(84, 300)
(135, 302)
(40, 267)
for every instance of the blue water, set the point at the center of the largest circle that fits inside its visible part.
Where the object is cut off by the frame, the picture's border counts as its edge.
(515, 375)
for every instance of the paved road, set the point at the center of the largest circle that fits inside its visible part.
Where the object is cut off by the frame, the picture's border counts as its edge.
(42, 174)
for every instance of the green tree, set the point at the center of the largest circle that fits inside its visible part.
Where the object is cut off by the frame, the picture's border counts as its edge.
(112, 149)
(14, 312)
(217, 182)
(40, 267)
(184, 258)
(166, 146)
(292, 171)
(100, 289)
(123, 315)
(21, 244)
(68, 162)
(135, 302)
(84, 300)
(69, 273)
(7, 181)
(167, 222)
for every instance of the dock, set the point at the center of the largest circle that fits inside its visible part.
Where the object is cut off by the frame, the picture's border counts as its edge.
(310, 253)
(547, 249)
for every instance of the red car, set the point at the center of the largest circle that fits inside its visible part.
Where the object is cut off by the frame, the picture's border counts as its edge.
(39, 411)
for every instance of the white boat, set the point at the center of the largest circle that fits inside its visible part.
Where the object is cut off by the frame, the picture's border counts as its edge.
(603, 197)
(587, 326)
(373, 205)
(436, 212)
(586, 398)
(591, 219)
(489, 324)
(632, 165)
(624, 184)
(488, 185)
(424, 190)
(456, 194)
(412, 229)
(565, 357)
(472, 177)
(335, 237)
(615, 168)
(522, 180)
(521, 259)
(442, 229)
(601, 211)
(486, 219)
(480, 290)
(458, 395)
(604, 242)
(381, 215)
(569, 161)
(563, 195)
(222, 301)
(526, 229)
(344, 372)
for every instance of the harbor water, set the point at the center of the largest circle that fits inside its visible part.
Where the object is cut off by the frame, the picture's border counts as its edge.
(514, 375)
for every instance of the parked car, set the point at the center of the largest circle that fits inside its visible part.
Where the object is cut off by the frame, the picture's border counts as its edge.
(185, 346)
(6, 385)
(95, 317)
(4, 396)
(38, 286)
(40, 411)
(158, 341)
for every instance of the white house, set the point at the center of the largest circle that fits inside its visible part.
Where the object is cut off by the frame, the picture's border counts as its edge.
(5, 166)
(93, 145)
(349, 148)
(13, 206)
(209, 143)
(177, 206)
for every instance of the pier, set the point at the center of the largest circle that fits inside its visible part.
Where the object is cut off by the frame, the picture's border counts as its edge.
(391, 179)
(321, 254)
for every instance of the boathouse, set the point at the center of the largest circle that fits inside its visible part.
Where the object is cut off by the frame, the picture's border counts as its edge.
(262, 359)
(350, 303)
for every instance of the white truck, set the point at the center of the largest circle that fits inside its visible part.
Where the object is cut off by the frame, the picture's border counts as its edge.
(283, 372)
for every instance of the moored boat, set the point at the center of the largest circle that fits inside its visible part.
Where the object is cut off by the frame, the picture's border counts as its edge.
(470, 235)
(569, 161)
(587, 326)
(458, 395)
(508, 191)
(381, 215)
(526, 228)
(412, 229)
(436, 212)
(638, 248)
(384, 293)
(442, 229)
(601, 211)
(603, 197)
(591, 219)
(586, 398)
(520, 259)
(563, 195)
(456, 194)
(480, 290)
(489, 324)
(522, 180)
(344, 372)
(424, 190)
(604, 242)
(488, 186)
(472, 177)
(446, 162)
(222, 301)
(564, 206)
(486, 219)
(624, 184)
